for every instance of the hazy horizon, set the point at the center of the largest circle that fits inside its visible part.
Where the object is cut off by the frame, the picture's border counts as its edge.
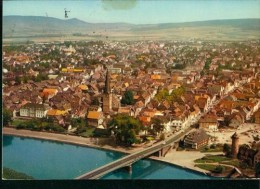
(136, 11)
(136, 24)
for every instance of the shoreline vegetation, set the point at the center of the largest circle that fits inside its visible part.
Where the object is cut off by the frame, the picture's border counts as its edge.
(90, 142)
(15, 175)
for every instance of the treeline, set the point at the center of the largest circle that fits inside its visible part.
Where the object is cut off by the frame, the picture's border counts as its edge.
(42, 124)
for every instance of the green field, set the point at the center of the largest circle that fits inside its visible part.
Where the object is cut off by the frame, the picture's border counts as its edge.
(199, 33)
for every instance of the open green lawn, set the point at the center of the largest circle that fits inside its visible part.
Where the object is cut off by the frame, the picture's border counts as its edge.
(234, 162)
(212, 159)
(217, 148)
(218, 159)
(207, 167)
(212, 168)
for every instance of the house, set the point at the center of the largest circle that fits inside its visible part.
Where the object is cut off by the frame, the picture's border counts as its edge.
(138, 107)
(114, 70)
(94, 118)
(48, 92)
(247, 154)
(202, 104)
(33, 110)
(145, 120)
(126, 110)
(55, 112)
(257, 157)
(196, 139)
(83, 87)
(235, 120)
(257, 117)
(216, 90)
(209, 122)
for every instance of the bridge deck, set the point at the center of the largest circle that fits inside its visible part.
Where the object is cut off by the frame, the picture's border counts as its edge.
(131, 158)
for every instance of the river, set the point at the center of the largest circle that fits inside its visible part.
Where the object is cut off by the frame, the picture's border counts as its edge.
(43, 159)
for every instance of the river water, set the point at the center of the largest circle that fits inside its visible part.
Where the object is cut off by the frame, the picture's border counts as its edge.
(43, 159)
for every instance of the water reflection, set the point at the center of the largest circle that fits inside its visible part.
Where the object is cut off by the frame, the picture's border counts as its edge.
(148, 168)
(114, 155)
(141, 169)
(55, 163)
(8, 141)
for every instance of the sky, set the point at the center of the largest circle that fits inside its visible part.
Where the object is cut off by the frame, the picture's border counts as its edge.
(136, 11)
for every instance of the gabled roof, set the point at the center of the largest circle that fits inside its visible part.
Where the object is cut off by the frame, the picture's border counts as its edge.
(198, 136)
(94, 115)
(33, 105)
(55, 112)
(50, 91)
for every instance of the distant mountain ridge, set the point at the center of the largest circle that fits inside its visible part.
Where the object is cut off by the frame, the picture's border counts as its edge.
(40, 25)
(37, 23)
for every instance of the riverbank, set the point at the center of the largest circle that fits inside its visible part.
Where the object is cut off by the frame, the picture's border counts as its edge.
(100, 143)
(183, 159)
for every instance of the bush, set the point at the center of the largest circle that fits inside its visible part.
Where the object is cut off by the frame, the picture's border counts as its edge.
(80, 129)
(206, 148)
(219, 169)
(243, 165)
(21, 126)
(57, 128)
(36, 128)
(162, 136)
(12, 174)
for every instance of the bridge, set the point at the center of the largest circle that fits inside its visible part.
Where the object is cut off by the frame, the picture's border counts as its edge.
(161, 147)
(126, 161)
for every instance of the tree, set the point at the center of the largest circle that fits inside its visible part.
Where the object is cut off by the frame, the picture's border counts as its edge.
(7, 117)
(78, 122)
(158, 127)
(17, 80)
(125, 128)
(227, 149)
(257, 170)
(25, 79)
(128, 98)
(207, 64)
(95, 101)
(40, 77)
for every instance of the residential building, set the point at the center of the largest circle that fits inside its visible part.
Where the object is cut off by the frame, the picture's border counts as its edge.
(33, 110)
(94, 118)
(196, 139)
(209, 122)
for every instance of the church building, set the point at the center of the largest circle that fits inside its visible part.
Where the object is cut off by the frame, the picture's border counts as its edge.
(110, 101)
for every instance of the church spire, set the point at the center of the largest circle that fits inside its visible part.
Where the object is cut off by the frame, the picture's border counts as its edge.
(107, 84)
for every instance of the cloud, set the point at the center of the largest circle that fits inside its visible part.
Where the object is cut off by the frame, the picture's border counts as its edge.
(118, 4)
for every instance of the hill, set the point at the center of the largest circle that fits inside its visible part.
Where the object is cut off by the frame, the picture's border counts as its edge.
(39, 26)
(248, 24)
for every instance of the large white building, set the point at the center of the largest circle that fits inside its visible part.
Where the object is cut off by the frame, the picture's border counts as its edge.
(33, 110)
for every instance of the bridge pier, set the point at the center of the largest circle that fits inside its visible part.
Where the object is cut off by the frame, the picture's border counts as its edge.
(163, 151)
(158, 153)
(129, 168)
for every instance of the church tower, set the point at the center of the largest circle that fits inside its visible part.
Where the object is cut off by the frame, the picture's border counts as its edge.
(235, 145)
(107, 96)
